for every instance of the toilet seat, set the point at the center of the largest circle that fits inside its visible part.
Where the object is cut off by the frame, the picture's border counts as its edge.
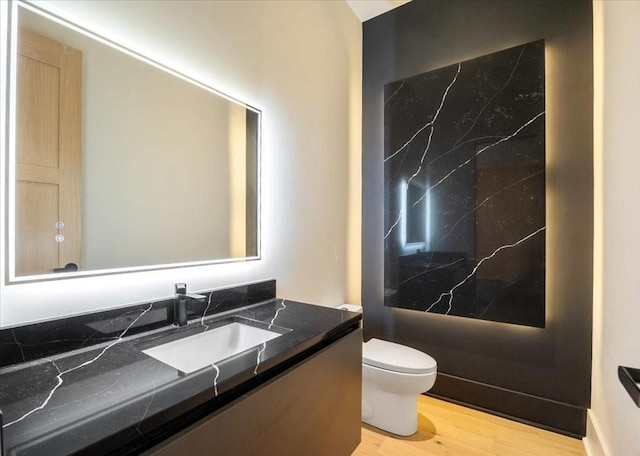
(397, 358)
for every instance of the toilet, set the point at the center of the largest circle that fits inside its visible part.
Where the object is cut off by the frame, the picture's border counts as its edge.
(392, 376)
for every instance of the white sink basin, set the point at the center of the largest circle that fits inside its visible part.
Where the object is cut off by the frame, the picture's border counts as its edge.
(202, 350)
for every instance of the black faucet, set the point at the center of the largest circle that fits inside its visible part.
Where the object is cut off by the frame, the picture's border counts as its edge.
(180, 303)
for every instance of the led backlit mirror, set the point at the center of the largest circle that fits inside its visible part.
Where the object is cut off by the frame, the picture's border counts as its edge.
(118, 162)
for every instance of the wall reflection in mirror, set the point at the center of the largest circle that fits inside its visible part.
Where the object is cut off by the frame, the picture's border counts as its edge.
(122, 163)
(465, 189)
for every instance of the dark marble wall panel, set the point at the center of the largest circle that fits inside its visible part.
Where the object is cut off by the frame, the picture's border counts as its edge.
(521, 369)
(464, 188)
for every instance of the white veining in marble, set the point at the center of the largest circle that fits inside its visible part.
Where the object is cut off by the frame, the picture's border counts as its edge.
(495, 252)
(428, 270)
(260, 352)
(206, 327)
(59, 379)
(394, 93)
(473, 124)
(433, 121)
(400, 214)
(215, 379)
(428, 124)
(439, 157)
(273, 320)
(204, 314)
(466, 162)
(453, 227)
(15, 338)
(153, 395)
(264, 344)
(458, 141)
(453, 149)
(426, 150)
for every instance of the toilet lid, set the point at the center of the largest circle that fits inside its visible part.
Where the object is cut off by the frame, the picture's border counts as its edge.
(397, 358)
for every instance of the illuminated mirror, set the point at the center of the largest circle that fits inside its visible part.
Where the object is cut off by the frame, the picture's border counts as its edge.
(415, 213)
(119, 163)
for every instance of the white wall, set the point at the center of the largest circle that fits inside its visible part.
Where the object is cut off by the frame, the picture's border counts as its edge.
(614, 421)
(300, 63)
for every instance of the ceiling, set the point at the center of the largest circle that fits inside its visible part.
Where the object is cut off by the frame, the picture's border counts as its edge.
(366, 9)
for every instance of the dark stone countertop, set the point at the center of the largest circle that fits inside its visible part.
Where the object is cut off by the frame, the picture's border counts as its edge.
(110, 398)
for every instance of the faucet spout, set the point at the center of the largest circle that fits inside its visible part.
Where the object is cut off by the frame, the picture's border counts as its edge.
(180, 303)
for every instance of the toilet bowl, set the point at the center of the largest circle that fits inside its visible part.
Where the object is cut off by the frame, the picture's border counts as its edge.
(392, 376)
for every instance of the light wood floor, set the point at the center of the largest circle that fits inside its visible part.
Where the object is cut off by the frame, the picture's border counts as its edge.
(449, 429)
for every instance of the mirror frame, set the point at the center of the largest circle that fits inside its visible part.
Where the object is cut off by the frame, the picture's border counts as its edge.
(8, 161)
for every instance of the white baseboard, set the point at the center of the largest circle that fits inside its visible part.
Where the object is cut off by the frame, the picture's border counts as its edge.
(594, 443)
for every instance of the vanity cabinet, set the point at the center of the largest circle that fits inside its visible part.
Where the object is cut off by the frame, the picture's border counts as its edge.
(311, 409)
(295, 394)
